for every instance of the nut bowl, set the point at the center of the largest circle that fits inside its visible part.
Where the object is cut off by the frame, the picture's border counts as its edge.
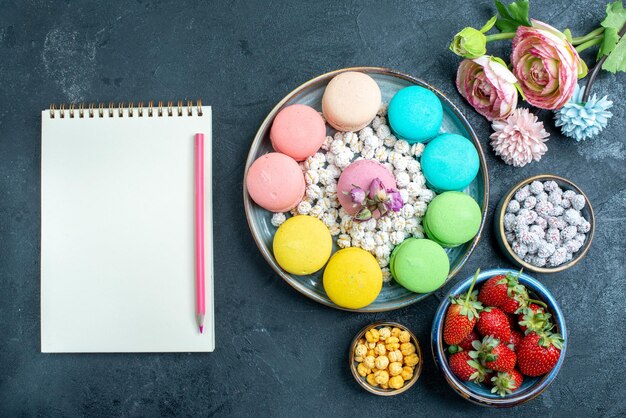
(362, 380)
(500, 233)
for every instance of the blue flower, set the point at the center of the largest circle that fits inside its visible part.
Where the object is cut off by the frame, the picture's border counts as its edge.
(583, 120)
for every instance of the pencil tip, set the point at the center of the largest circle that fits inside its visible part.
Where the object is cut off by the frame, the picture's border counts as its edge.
(201, 327)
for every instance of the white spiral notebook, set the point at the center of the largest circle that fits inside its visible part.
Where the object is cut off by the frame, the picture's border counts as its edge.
(117, 229)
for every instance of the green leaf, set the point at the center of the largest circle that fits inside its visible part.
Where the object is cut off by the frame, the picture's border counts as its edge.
(489, 24)
(612, 23)
(617, 58)
(512, 16)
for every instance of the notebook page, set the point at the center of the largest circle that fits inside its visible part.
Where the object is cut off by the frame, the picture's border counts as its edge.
(117, 234)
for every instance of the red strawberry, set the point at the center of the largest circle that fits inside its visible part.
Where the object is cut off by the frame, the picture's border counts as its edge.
(537, 354)
(466, 368)
(534, 318)
(494, 355)
(461, 316)
(516, 338)
(466, 344)
(494, 322)
(504, 292)
(506, 383)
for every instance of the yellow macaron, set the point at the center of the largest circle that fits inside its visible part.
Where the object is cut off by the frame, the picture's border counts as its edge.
(302, 245)
(352, 278)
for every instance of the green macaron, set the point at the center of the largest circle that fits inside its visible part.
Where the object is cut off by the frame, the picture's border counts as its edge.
(452, 219)
(420, 265)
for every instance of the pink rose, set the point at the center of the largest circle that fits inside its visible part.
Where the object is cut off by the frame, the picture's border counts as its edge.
(488, 86)
(546, 65)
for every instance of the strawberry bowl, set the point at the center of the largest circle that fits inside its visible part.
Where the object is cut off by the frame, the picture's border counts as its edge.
(479, 351)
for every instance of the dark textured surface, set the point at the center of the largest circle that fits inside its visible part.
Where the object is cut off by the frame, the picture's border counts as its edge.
(277, 352)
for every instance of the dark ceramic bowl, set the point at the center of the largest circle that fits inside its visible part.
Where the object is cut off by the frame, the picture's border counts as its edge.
(481, 394)
(564, 184)
(363, 382)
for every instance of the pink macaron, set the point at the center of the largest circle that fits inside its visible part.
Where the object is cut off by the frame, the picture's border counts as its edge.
(275, 182)
(298, 131)
(361, 173)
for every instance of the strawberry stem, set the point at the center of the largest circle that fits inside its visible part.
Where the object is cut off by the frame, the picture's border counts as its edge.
(469, 292)
(538, 302)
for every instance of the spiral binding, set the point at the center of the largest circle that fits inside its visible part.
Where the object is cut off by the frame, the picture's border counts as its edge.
(122, 109)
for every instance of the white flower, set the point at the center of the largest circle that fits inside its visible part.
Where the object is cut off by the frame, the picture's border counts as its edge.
(325, 178)
(329, 220)
(330, 158)
(333, 170)
(383, 261)
(338, 136)
(377, 122)
(331, 187)
(384, 223)
(411, 225)
(369, 225)
(350, 138)
(334, 230)
(356, 147)
(278, 218)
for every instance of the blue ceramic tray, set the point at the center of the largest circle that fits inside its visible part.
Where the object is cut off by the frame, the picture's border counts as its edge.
(392, 296)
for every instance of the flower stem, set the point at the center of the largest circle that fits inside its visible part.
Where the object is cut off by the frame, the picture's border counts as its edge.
(595, 41)
(587, 37)
(596, 70)
(500, 36)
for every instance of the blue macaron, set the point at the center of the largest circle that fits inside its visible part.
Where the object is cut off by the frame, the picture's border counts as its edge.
(449, 162)
(415, 114)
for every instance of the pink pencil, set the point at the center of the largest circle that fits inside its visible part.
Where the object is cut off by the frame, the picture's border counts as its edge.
(199, 215)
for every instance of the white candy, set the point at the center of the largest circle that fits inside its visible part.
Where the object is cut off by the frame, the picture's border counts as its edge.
(513, 206)
(312, 177)
(278, 219)
(401, 163)
(343, 241)
(333, 170)
(426, 195)
(386, 275)
(413, 166)
(407, 211)
(367, 131)
(326, 144)
(377, 122)
(572, 217)
(402, 179)
(343, 160)
(417, 149)
(304, 207)
(536, 187)
(371, 141)
(381, 154)
(578, 202)
(334, 230)
(314, 192)
(420, 208)
(390, 141)
(402, 147)
(396, 237)
(383, 131)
